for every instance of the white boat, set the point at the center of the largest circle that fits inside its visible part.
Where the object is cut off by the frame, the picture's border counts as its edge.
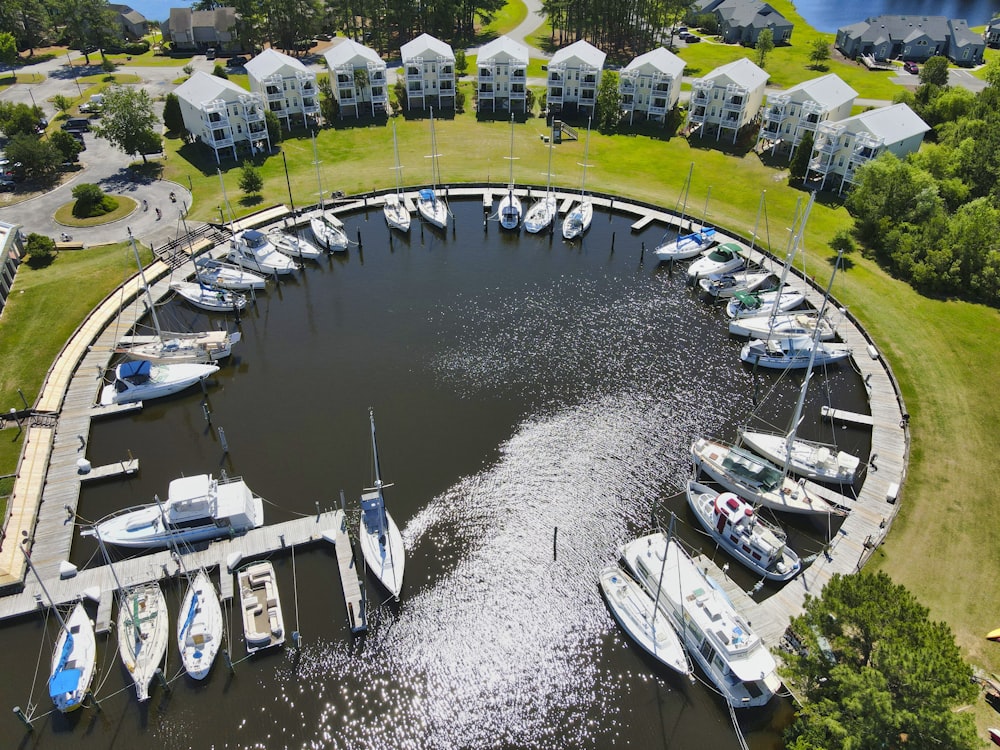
(263, 624)
(143, 632)
(197, 508)
(785, 325)
(510, 204)
(251, 249)
(394, 208)
(142, 380)
(293, 246)
(792, 353)
(756, 479)
(168, 347)
(199, 626)
(685, 246)
(725, 258)
(725, 285)
(577, 221)
(543, 211)
(433, 208)
(715, 634)
(736, 527)
(209, 299)
(381, 542)
(328, 231)
(218, 273)
(638, 615)
(755, 304)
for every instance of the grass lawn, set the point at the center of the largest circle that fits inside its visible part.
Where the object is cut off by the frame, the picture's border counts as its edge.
(508, 18)
(64, 214)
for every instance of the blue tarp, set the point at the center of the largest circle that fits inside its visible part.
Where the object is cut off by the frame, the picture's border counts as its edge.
(131, 369)
(64, 680)
(427, 194)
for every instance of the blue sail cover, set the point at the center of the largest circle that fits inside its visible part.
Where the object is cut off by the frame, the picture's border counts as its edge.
(64, 680)
(427, 194)
(131, 369)
(192, 611)
(373, 511)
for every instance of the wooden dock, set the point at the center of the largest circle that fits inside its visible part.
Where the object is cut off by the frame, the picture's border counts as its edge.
(840, 415)
(120, 468)
(643, 222)
(567, 204)
(357, 616)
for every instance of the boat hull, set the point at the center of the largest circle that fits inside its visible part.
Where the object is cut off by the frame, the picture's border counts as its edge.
(74, 659)
(227, 276)
(685, 246)
(209, 299)
(396, 215)
(727, 258)
(384, 554)
(142, 634)
(169, 348)
(510, 211)
(294, 246)
(792, 354)
(540, 215)
(260, 605)
(199, 626)
(807, 459)
(164, 380)
(769, 302)
(578, 221)
(785, 325)
(434, 211)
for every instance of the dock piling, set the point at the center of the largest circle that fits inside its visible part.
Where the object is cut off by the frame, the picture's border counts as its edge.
(222, 439)
(24, 719)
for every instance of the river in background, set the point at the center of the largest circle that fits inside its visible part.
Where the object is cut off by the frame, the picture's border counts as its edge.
(827, 17)
(520, 385)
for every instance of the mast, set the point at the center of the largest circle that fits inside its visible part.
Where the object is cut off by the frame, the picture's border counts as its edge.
(756, 223)
(586, 151)
(378, 474)
(548, 180)
(790, 256)
(704, 217)
(319, 181)
(399, 169)
(52, 604)
(687, 190)
(145, 287)
(510, 182)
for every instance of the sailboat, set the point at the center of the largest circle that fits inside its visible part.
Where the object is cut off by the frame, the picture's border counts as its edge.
(167, 347)
(806, 458)
(431, 207)
(143, 628)
(543, 211)
(578, 220)
(223, 275)
(199, 626)
(510, 204)
(394, 208)
(327, 229)
(723, 284)
(74, 656)
(381, 542)
(686, 246)
(785, 324)
(294, 246)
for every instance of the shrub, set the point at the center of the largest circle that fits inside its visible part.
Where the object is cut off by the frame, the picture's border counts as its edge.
(41, 250)
(220, 72)
(107, 65)
(137, 48)
(91, 201)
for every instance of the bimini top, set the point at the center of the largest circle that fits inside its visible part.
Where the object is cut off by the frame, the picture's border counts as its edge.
(135, 369)
(253, 238)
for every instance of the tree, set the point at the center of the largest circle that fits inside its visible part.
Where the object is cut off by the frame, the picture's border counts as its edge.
(819, 53)
(461, 64)
(62, 103)
(328, 105)
(799, 166)
(128, 121)
(28, 21)
(935, 71)
(8, 48)
(876, 672)
(219, 72)
(40, 249)
(68, 146)
(251, 182)
(273, 127)
(843, 242)
(609, 103)
(39, 159)
(92, 201)
(173, 118)
(88, 24)
(765, 43)
(19, 118)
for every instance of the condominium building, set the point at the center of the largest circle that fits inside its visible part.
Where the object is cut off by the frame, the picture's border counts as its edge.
(502, 75)
(727, 99)
(429, 70)
(788, 115)
(651, 84)
(226, 118)
(287, 87)
(357, 75)
(573, 77)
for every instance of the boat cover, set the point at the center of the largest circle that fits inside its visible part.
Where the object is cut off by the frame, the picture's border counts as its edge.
(64, 680)
(139, 368)
(427, 194)
(373, 510)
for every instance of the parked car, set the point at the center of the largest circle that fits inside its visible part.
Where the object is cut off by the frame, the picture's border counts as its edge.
(237, 61)
(76, 125)
(210, 53)
(911, 67)
(692, 39)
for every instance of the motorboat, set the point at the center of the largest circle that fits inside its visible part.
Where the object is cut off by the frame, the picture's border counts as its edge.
(252, 249)
(756, 304)
(293, 246)
(736, 526)
(716, 636)
(756, 479)
(510, 204)
(814, 460)
(199, 626)
(543, 211)
(577, 221)
(74, 659)
(208, 298)
(328, 231)
(637, 613)
(394, 205)
(198, 508)
(263, 623)
(685, 246)
(142, 380)
(381, 542)
(222, 275)
(143, 633)
(784, 325)
(726, 258)
(431, 206)
(792, 353)
(725, 285)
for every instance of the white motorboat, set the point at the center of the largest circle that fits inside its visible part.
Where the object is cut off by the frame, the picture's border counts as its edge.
(792, 353)
(756, 479)
(715, 634)
(725, 258)
(577, 221)
(251, 249)
(431, 206)
(381, 542)
(328, 231)
(755, 304)
(510, 204)
(785, 325)
(263, 623)
(142, 380)
(293, 246)
(543, 211)
(638, 615)
(199, 626)
(74, 659)
(394, 207)
(197, 508)
(735, 526)
(143, 633)
(222, 275)
(725, 285)
(685, 246)
(209, 299)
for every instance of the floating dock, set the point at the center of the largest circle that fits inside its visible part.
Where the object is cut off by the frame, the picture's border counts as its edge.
(839, 415)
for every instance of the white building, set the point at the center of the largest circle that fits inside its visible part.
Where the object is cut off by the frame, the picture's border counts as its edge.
(222, 115)
(842, 147)
(574, 75)
(357, 75)
(287, 87)
(651, 84)
(503, 75)
(790, 114)
(429, 68)
(728, 98)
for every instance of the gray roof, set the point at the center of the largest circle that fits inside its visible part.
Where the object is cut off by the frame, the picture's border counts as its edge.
(424, 44)
(583, 51)
(660, 59)
(202, 87)
(270, 61)
(878, 28)
(961, 35)
(829, 90)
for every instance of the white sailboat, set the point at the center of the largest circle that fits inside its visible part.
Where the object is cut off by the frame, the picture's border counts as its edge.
(686, 245)
(394, 208)
(209, 299)
(510, 204)
(716, 635)
(543, 211)
(381, 542)
(792, 353)
(725, 285)
(142, 380)
(578, 220)
(223, 275)
(294, 246)
(785, 325)
(164, 346)
(638, 614)
(327, 229)
(431, 207)
(199, 626)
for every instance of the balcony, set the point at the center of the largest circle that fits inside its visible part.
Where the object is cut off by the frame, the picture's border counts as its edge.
(413, 73)
(485, 74)
(628, 103)
(517, 74)
(658, 107)
(626, 86)
(555, 96)
(221, 138)
(698, 114)
(310, 106)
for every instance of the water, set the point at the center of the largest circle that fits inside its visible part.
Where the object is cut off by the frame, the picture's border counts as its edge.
(828, 17)
(157, 10)
(525, 390)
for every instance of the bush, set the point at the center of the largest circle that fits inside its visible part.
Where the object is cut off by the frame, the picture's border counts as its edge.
(137, 48)
(40, 249)
(251, 182)
(220, 72)
(107, 65)
(91, 201)
(459, 100)
(69, 147)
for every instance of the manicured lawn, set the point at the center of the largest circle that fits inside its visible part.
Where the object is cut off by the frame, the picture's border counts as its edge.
(507, 19)
(64, 214)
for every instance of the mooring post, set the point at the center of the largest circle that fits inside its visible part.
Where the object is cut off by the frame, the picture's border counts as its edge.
(205, 410)
(162, 680)
(613, 241)
(642, 255)
(93, 698)
(20, 714)
(555, 535)
(222, 439)
(360, 244)
(228, 660)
